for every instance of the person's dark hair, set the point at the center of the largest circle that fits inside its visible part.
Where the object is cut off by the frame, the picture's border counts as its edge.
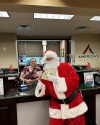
(21, 60)
(31, 59)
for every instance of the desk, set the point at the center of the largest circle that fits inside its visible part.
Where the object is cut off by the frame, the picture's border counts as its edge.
(89, 96)
(13, 96)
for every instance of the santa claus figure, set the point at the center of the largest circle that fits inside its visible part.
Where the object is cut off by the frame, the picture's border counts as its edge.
(60, 81)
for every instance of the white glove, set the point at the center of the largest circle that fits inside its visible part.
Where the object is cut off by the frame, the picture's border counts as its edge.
(39, 85)
(39, 89)
(53, 79)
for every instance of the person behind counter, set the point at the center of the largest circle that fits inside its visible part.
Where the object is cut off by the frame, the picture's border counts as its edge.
(29, 73)
(61, 82)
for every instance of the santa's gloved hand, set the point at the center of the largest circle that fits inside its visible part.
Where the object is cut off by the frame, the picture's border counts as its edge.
(53, 79)
(39, 86)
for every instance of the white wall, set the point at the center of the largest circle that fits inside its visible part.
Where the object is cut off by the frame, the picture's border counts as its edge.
(33, 113)
(81, 42)
(8, 50)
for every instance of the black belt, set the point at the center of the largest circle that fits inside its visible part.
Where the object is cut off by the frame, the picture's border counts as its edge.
(68, 99)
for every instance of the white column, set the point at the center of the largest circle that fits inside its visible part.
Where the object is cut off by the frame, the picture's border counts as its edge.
(73, 50)
(44, 43)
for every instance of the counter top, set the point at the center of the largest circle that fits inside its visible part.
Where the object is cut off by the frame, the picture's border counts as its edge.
(16, 93)
(9, 75)
(14, 96)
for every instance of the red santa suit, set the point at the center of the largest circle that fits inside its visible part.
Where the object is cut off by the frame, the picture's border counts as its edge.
(61, 86)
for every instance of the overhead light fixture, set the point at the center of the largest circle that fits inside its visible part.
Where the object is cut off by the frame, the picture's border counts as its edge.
(95, 18)
(4, 14)
(52, 16)
(24, 27)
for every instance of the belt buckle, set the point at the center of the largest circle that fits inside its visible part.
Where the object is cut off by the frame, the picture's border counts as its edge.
(64, 101)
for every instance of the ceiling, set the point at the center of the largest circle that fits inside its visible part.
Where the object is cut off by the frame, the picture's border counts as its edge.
(45, 28)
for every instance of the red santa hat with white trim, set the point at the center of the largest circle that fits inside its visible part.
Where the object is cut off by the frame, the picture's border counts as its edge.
(48, 54)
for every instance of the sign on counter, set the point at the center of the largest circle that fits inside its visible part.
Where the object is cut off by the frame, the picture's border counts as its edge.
(89, 78)
(1, 87)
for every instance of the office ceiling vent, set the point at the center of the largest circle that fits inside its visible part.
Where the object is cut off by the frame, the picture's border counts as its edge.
(24, 27)
(81, 28)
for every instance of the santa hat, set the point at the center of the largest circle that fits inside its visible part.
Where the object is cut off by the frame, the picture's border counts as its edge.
(48, 54)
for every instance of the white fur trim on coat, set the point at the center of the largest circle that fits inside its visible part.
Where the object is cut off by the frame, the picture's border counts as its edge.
(40, 89)
(66, 113)
(61, 85)
(60, 95)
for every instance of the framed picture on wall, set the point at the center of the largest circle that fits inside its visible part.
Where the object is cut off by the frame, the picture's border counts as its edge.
(62, 52)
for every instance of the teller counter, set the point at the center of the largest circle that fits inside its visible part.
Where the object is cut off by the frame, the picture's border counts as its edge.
(13, 98)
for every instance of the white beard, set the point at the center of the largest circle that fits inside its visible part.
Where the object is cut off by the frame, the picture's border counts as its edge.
(51, 64)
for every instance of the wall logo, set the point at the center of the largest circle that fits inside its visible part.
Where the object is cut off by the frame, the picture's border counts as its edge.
(88, 48)
(85, 56)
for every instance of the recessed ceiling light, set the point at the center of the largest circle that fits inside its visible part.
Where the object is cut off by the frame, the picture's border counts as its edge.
(52, 16)
(4, 14)
(95, 18)
(24, 27)
(81, 28)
